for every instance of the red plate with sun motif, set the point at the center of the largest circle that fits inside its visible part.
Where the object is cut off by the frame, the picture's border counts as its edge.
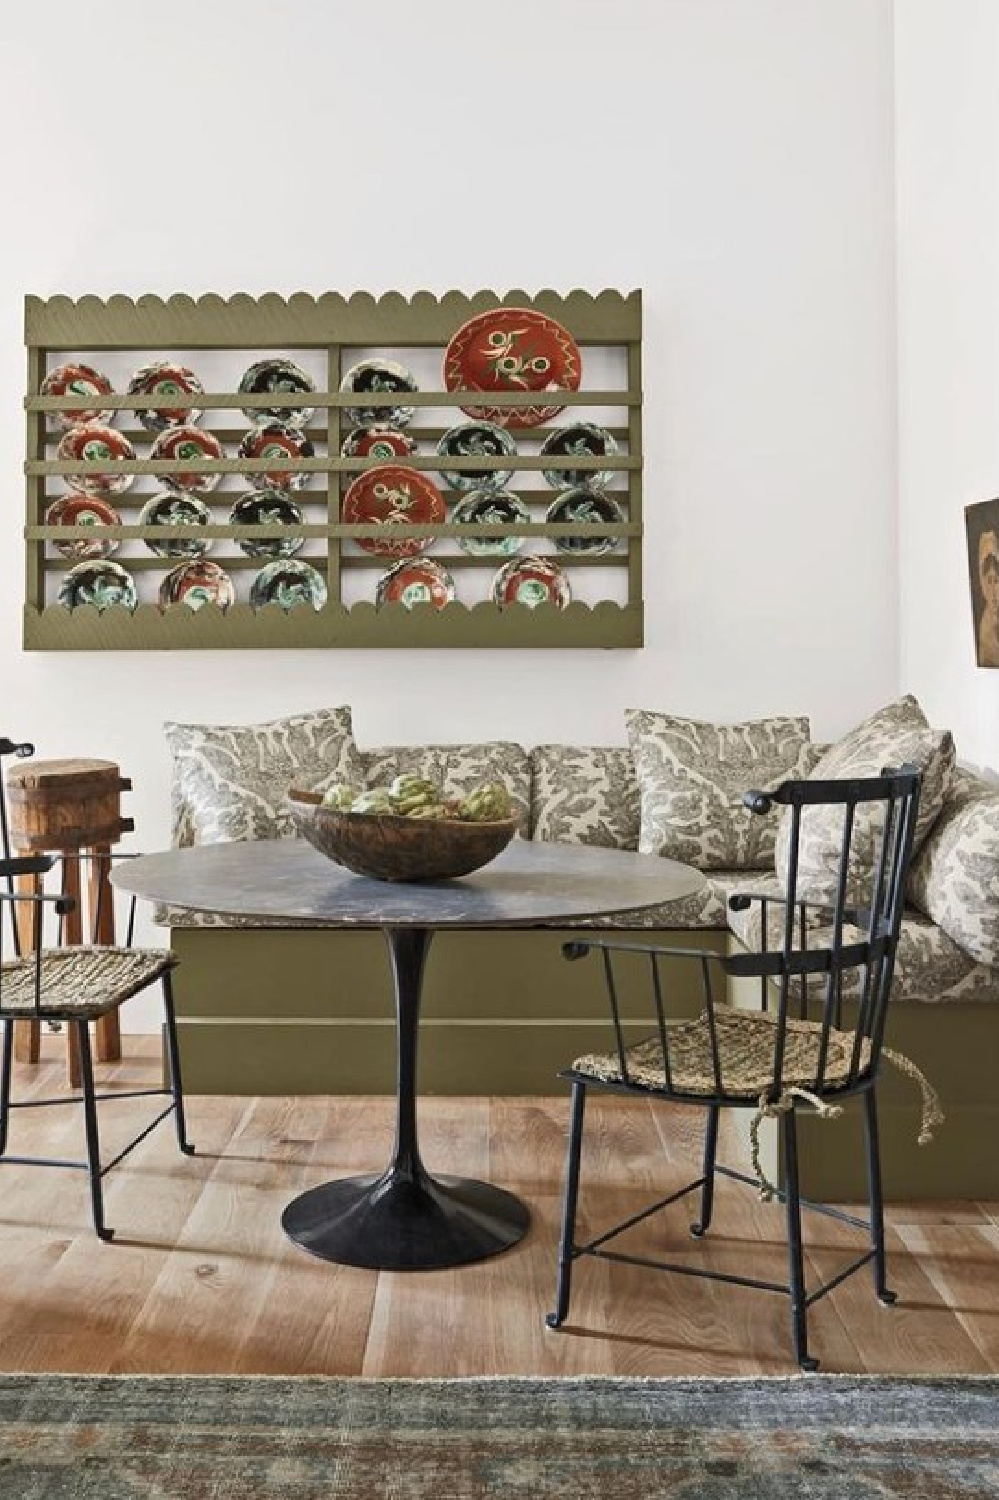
(512, 349)
(391, 495)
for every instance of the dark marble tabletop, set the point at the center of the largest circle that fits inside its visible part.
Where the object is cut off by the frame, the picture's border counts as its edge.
(529, 884)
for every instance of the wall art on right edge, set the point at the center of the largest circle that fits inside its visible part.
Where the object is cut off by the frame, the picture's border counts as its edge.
(982, 522)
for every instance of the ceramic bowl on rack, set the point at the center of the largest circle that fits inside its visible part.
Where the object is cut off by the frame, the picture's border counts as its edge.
(590, 508)
(102, 584)
(83, 510)
(415, 580)
(95, 443)
(169, 510)
(390, 495)
(268, 508)
(278, 441)
(78, 379)
(514, 349)
(288, 583)
(578, 440)
(476, 440)
(387, 846)
(531, 581)
(165, 380)
(378, 377)
(188, 443)
(490, 508)
(278, 377)
(379, 441)
(197, 583)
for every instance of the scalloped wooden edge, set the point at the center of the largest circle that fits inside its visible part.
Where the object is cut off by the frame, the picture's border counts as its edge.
(85, 628)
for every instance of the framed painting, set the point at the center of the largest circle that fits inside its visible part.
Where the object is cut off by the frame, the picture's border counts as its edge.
(982, 524)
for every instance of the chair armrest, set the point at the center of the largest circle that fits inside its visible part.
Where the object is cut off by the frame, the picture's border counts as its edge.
(577, 949)
(27, 864)
(743, 900)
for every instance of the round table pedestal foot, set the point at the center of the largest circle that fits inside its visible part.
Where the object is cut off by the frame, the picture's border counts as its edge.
(391, 1223)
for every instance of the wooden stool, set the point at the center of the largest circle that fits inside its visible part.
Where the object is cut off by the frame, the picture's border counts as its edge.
(73, 808)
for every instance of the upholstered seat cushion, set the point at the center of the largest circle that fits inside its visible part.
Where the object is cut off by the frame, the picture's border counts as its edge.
(79, 983)
(955, 877)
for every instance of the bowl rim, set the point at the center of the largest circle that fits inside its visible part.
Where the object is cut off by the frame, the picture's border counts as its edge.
(302, 798)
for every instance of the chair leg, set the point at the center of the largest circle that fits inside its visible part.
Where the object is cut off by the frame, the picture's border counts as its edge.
(565, 1256)
(6, 1062)
(173, 1065)
(90, 1119)
(708, 1172)
(875, 1199)
(799, 1307)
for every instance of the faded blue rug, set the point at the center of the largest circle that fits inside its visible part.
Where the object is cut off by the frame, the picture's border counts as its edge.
(820, 1437)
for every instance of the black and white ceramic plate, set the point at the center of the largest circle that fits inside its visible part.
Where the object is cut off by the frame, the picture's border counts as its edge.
(373, 378)
(278, 377)
(589, 508)
(268, 508)
(490, 508)
(578, 440)
(168, 511)
(165, 380)
(103, 584)
(288, 583)
(476, 440)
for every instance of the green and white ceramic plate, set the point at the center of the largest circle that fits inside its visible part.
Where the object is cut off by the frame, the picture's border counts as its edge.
(378, 377)
(103, 584)
(169, 510)
(476, 440)
(289, 583)
(416, 580)
(531, 581)
(589, 507)
(490, 508)
(267, 508)
(166, 380)
(279, 377)
(578, 440)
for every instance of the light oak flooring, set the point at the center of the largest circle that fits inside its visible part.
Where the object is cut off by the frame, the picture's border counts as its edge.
(200, 1277)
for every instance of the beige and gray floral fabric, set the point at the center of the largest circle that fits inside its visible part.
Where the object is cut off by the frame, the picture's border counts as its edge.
(897, 733)
(458, 769)
(585, 794)
(692, 776)
(230, 780)
(955, 877)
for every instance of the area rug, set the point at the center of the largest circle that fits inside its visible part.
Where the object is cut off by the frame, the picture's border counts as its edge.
(207, 1438)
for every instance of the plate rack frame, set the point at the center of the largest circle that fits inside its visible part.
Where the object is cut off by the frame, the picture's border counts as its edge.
(60, 327)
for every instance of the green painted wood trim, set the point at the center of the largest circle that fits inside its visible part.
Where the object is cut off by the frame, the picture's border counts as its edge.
(235, 400)
(339, 529)
(635, 485)
(209, 628)
(334, 438)
(184, 322)
(34, 579)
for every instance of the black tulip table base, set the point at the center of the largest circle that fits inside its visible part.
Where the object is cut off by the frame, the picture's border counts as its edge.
(398, 1222)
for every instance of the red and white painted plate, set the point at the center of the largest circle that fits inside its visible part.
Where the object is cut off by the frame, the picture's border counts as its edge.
(389, 495)
(416, 581)
(512, 349)
(531, 581)
(188, 442)
(83, 510)
(77, 380)
(96, 443)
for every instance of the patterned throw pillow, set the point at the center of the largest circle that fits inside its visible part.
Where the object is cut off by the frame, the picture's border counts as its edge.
(691, 776)
(897, 733)
(585, 794)
(458, 769)
(955, 877)
(230, 780)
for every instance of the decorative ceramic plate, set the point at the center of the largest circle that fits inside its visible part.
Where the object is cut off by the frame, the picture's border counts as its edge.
(288, 583)
(531, 581)
(374, 377)
(197, 583)
(188, 443)
(175, 510)
(266, 508)
(476, 440)
(589, 507)
(99, 583)
(166, 380)
(77, 380)
(380, 441)
(512, 349)
(94, 442)
(578, 440)
(284, 378)
(276, 440)
(83, 510)
(490, 508)
(416, 581)
(389, 495)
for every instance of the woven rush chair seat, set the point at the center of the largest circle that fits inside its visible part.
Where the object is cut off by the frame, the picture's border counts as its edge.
(79, 983)
(746, 1042)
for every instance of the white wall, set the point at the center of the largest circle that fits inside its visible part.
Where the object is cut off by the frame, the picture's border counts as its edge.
(731, 157)
(948, 269)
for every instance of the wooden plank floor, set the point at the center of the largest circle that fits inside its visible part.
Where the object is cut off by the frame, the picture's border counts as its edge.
(200, 1277)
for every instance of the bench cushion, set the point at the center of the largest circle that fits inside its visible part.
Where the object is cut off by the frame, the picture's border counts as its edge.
(585, 794)
(955, 877)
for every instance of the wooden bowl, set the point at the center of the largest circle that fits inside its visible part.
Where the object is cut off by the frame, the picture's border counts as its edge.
(384, 846)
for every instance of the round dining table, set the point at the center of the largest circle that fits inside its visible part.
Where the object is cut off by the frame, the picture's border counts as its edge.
(405, 1218)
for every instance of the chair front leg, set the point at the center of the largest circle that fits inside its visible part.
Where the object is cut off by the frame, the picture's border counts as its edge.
(795, 1254)
(6, 1066)
(708, 1172)
(173, 1066)
(567, 1239)
(875, 1199)
(82, 1030)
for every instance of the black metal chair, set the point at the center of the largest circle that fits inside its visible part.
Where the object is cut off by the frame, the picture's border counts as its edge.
(825, 984)
(73, 986)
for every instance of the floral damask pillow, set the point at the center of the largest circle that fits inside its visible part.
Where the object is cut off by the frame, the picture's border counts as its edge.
(692, 776)
(230, 780)
(894, 735)
(458, 769)
(585, 794)
(955, 877)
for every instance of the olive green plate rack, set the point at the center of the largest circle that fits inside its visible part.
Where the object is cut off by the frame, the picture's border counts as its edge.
(60, 328)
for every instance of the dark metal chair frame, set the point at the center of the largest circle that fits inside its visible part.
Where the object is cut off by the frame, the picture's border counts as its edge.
(61, 904)
(784, 973)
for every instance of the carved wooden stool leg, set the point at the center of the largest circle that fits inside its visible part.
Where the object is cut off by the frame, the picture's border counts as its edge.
(27, 1034)
(72, 936)
(101, 909)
